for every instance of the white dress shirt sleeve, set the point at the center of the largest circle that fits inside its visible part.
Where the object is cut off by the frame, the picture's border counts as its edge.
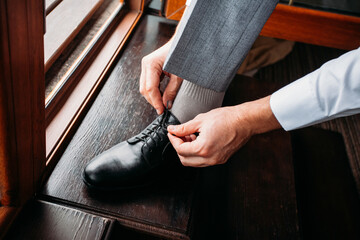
(329, 92)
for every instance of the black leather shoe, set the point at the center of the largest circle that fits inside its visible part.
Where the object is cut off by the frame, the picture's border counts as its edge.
(134, 162)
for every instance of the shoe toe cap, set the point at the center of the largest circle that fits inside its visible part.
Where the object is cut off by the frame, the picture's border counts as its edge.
(93, 174)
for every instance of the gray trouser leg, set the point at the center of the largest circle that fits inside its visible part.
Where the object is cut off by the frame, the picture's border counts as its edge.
(210, 46)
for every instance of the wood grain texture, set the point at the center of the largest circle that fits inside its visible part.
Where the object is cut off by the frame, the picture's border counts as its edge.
(23, 95)
(59, 125)
(329, 204)
(7, 216)
(262, 199)
(119, 112)
(313, 27)
(22, 102)
(62, 25)
(174, 9)
(7, 143)
(300, 24)
(41, 220)
(261, 187)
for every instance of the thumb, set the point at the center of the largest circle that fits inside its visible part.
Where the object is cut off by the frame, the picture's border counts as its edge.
(185, 129)
(171, 89)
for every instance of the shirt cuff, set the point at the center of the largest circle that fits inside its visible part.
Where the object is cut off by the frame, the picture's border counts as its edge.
(296, 105)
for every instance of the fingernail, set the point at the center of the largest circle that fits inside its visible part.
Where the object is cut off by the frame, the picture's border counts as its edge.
(169, 104)
(158, 111)
(171, 128)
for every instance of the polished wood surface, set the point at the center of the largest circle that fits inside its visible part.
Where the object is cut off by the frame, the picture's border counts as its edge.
(313, 27)
(70, 108)
(329, 204)
(250, 197)
(6, 218)
(174, 9)
(299, 24)
(42, 220)
(261, 185)
(119, 112)
(262, 199)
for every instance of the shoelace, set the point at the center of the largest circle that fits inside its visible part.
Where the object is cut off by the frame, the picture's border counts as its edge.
(154, 129)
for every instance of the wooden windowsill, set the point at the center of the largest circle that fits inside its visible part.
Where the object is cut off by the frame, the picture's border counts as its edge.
(61, 122)
(164, 208)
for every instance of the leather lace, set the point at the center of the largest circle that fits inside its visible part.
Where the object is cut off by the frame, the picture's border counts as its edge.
(154, 129)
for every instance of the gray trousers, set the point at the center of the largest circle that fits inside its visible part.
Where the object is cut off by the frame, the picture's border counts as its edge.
(213, 39)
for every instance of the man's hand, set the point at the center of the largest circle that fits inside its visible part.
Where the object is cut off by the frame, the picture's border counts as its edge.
(151, 71)
(221, 132)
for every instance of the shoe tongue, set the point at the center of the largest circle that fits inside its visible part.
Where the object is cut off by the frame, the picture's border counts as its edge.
(171, 119)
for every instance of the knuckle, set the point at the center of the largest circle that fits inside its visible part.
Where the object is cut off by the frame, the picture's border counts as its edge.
(182, 128)
(157, 105)
(184, 162)
(149, 88)
(204, 152)
(141, 89)
(213, 162)
(144, 60)
(200, 116)
(170, 94)
(151, 65)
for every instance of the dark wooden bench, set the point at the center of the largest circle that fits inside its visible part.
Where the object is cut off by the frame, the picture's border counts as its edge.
(251, 197)
(174, 206)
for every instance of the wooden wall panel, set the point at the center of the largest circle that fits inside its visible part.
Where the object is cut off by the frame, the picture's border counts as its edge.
(174, 9)
(300, 24)
(313, 27)
(22, 98)
(27, 90)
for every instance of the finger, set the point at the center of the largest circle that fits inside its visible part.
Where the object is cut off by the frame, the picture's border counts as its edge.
(143, 84)
(175, 141)
(188, 139)
(171, 90)
(185, 129)
(193, 161)
(185, 149)
(142, 79)
(192, 137)
(152, 90)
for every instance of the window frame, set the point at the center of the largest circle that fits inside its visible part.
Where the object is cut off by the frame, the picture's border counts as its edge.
(56, 41)
(65, 111)
(22, 92)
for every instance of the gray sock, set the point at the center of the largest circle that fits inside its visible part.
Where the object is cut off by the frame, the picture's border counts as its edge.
(192, 100)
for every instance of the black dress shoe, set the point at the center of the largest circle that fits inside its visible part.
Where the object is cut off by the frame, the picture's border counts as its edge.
(134, 162)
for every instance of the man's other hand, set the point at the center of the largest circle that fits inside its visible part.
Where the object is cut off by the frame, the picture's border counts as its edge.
(151, 71)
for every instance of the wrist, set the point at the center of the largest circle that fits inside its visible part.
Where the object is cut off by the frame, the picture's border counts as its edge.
(258, 116)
